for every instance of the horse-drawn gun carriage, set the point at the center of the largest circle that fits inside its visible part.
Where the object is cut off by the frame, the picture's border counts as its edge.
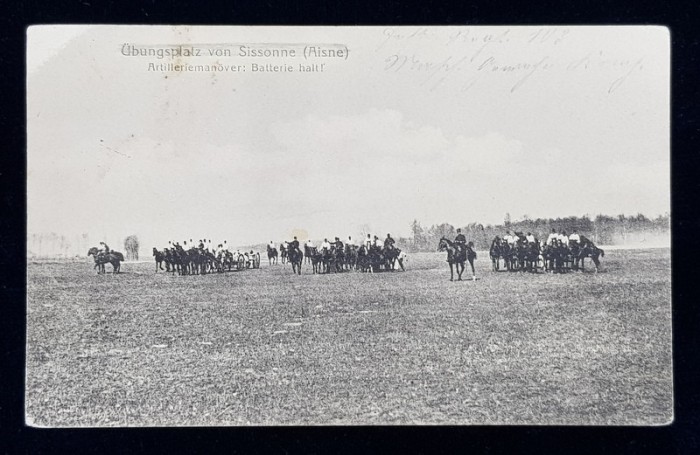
(233, 261)
(198, 261)
(252, 260)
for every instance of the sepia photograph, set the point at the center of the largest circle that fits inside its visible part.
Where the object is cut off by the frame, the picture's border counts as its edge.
(352, 225)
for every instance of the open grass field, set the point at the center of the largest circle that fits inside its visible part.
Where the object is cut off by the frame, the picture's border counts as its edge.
(265, 347)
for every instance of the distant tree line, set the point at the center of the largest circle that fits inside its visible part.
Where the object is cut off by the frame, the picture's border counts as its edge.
(50, 245)
(603, 229)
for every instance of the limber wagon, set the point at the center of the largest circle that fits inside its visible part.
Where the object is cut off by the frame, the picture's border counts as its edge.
(252, 260)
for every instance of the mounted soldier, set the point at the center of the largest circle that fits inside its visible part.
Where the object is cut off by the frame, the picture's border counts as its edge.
(460, 241)
(294, 244)
(389, 242)
(574, 238)
(104, 249)
(564, 238)
(325, 246)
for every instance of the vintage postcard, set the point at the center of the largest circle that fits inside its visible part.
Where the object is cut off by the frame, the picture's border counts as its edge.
(232, 226)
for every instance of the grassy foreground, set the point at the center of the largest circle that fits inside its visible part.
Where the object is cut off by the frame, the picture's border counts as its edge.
(265, 347)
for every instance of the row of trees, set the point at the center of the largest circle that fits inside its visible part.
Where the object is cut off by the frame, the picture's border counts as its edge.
(55, 246)
(603, 230)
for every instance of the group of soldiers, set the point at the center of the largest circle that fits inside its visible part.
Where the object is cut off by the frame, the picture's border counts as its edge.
(369, 243)
(205, 247)
(560, 252)
(371, 253)
(554, 239)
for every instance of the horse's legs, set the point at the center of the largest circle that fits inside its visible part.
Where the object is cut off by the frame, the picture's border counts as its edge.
(451, 272)
(471, 263)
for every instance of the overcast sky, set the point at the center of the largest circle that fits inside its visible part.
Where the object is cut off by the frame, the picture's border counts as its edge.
(440, 124)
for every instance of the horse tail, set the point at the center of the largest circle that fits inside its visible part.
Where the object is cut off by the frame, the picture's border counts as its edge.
(602, 253)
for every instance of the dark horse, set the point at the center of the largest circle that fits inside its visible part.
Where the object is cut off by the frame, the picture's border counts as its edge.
(296, 257)
(496, 252)
(315, 257)
(587, 249)
(350, 257)
(160, 257)
(113, 257)
(271, 255)
(457, 256)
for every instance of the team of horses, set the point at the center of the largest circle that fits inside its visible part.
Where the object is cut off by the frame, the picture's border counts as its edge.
(555, 257)
(339, 259)
(198, 261)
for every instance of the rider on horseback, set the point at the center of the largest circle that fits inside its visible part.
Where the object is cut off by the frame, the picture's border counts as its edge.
(325, 246)
(574, 238)
(564, 238)
(104, 249)
(530, 238)
(389, 242)
(460, 241)
(294, 244)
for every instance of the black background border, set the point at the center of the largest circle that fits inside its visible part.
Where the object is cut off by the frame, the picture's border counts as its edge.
(683, 436)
